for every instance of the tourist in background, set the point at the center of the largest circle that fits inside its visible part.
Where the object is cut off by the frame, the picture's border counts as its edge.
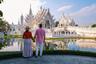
(27, 36)
(40, 39)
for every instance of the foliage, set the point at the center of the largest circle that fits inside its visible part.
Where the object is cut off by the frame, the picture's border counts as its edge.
(4, 26)
(56, 23)
(4, 44)
(1, 14)
(16, 54)
(10, 54)
(76, 25)
(1, 1)
(94, 25)
(20, 36)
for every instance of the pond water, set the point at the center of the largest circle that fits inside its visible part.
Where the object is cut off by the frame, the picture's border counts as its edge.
(66, 44)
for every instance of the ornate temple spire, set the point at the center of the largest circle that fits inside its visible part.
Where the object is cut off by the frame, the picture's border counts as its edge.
(41, 8)
(63, 14)
(18, 22)
(12, 23)
(30, 11)
(48, 11)
(22, 19)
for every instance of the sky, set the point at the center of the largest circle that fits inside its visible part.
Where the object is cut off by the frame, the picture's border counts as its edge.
(82, 11)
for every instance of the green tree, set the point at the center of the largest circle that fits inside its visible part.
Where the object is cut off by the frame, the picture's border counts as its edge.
(4, 26)
(1, 13)
(94, 25)
(1, 1)
(56, 23)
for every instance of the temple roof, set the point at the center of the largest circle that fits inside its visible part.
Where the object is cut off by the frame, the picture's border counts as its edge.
(65, 20)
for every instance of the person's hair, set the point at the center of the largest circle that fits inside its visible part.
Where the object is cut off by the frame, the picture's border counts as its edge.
(27, 28)
(27, 31)
(40, 25)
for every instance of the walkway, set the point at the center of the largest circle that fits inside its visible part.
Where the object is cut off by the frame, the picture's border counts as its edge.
(54, 59)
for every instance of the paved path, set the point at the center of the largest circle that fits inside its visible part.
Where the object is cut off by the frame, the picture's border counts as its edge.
(56, 59)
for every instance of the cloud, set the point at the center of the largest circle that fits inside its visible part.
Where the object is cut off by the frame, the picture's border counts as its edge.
(36, 5)
(88, 10)
(12, 9)
(64, 7)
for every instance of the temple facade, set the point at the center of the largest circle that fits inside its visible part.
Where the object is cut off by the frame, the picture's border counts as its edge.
(43, 17)
(61, 29)
(66, 27)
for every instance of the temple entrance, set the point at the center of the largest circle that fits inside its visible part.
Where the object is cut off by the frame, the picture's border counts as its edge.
(47, 24)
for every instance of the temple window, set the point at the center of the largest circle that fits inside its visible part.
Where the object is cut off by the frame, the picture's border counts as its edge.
(61, 25)
(47, 24)
(72, 32)
(66, 32)
(63, 32)
(54, 32)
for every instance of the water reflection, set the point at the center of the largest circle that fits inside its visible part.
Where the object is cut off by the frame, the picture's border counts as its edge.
(66, 44)
(72, 44)
(10, 45)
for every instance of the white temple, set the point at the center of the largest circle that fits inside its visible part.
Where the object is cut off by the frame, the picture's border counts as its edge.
(68, 28)
(61, 30)
(43, 17)
(65, 28)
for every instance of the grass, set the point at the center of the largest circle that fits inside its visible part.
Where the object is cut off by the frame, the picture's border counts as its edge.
(79, 37)
(70, 52)
(16, 54)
